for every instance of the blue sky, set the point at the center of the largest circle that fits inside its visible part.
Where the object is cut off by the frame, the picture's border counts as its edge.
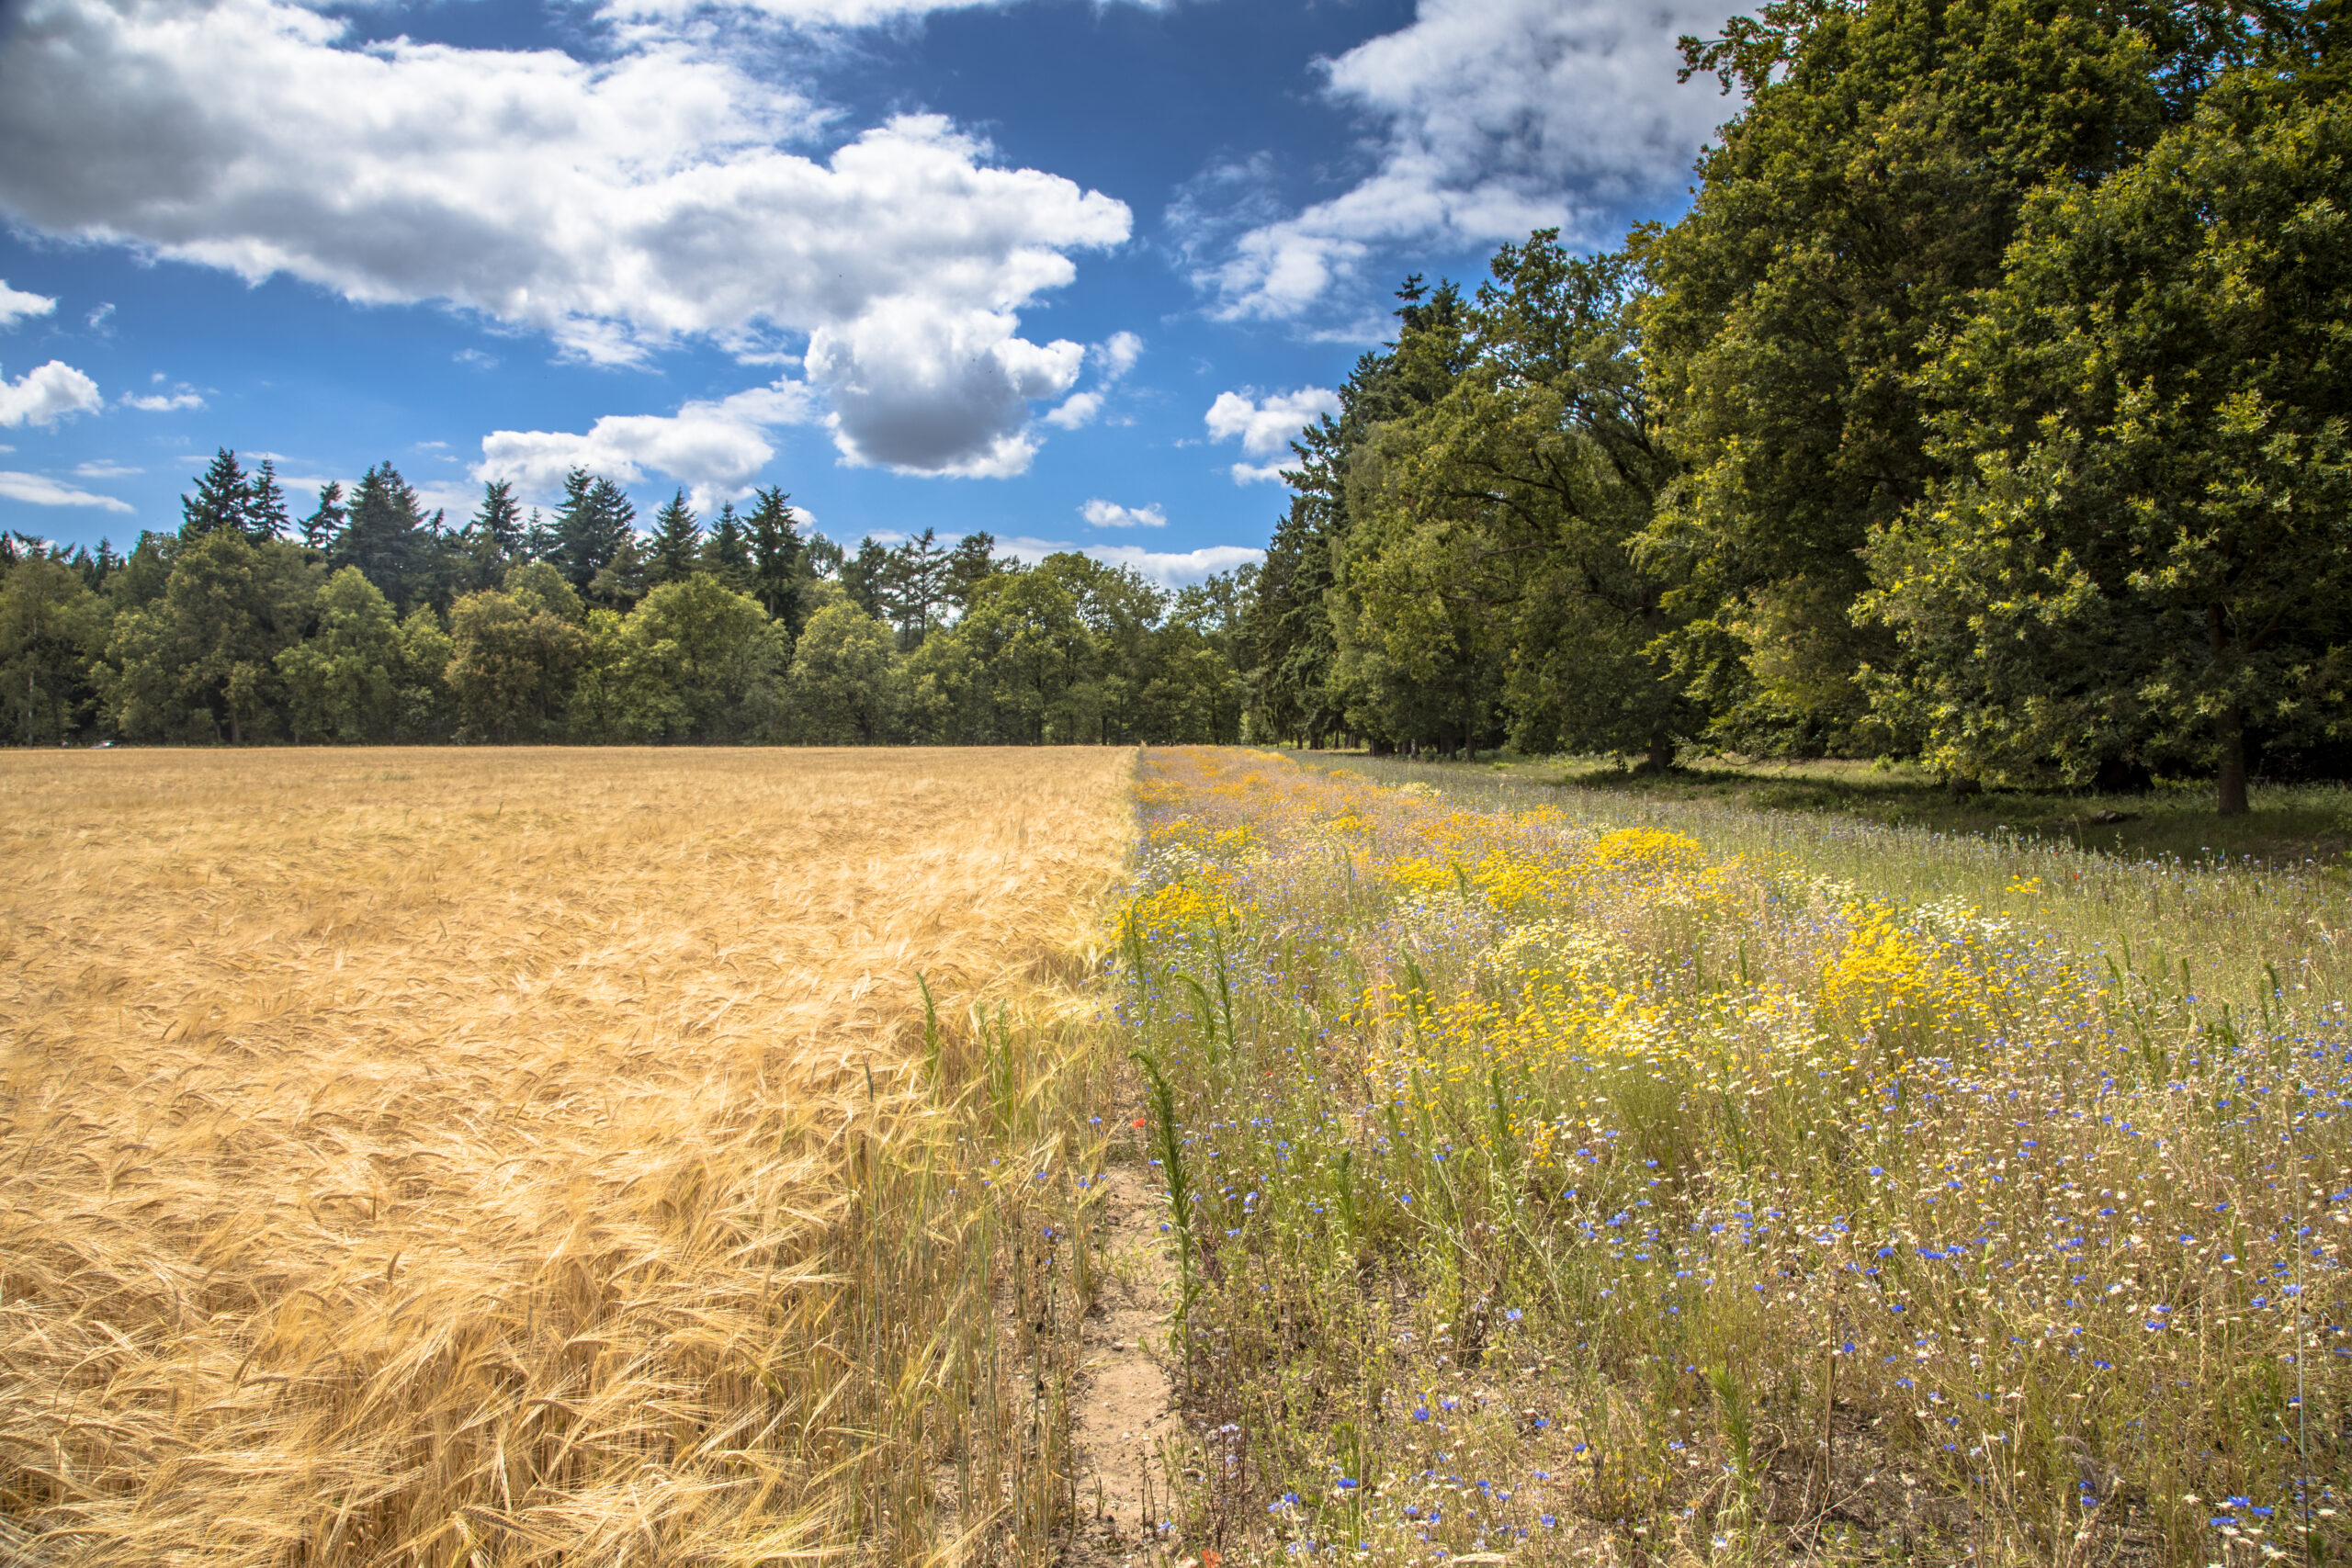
(1069, 272)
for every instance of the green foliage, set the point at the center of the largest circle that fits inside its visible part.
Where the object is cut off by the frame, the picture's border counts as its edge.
(51, 625)
(2145, 553)
(700, 662)
(589, 529)
(327, 520)
(1872, 182)
(200, 661)
(1983, 407)
(778, 564)
(514, 656)
(846, 686)
(726, 550)
(385, 537)
(342, 681)
(677, 550)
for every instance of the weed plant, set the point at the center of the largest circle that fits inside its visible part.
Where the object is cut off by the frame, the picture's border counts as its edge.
(1670, 1181)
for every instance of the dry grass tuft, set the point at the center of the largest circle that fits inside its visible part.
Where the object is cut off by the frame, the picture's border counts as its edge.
(502, 1157)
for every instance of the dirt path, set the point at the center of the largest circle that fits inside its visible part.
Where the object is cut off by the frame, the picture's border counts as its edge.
(1122, 1410)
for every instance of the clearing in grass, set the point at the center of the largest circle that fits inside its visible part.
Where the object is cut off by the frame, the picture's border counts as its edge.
(493, 1157)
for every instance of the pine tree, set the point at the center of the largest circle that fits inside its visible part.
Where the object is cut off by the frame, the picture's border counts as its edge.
(912, 587)
(777, 553)
(861, 576)
(621, 582)
(265, 514)
(499, 521)
(385, 537)
(969, 564)
(219, 500)
(589, 527)
(726, 550)
(677, 551)
(320, 528)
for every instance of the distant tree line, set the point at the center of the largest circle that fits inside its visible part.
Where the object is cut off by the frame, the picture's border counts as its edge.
(368, 621)
(1986, 407)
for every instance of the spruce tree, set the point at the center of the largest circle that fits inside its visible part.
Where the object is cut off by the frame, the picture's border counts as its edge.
(912, 588)
(385, 537)
(265, 514)
(863, 574)
(677, 551)
(969, 564)
(589, 527)
(320, 528)
(621, 582)
(726, 550)
(776, 552)
(499, 521)
(219, 500)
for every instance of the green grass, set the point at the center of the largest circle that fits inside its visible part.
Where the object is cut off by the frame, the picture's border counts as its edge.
(2288, 823)
(1590, 1175)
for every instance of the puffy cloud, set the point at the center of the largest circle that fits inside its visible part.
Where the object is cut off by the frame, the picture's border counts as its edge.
(1267, 424)
(1077, 409)
(37, 490)
(46, 394)
(104, 471)
(923, 388)
(16, 304)
(715, 448)
(1102, 513)
(617, 206)
(1498, 117)
(1172, 568)
(1114, 358)
(1119, 352)
(1168, 569)
(828, 13)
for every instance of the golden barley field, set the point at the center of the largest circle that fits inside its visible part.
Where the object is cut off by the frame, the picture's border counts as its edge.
(458, 1157)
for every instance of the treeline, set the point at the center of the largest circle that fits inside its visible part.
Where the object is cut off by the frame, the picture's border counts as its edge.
(368, 621)
(1986, 407)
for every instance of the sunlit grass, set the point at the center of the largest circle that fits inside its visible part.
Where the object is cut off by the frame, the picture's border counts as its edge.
(489, 1158)
(1573, 1174)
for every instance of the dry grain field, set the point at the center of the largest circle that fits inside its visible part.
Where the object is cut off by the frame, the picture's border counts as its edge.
(463, 1157)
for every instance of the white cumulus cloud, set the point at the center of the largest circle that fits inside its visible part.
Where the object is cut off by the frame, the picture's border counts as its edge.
(1266, 425)
(1173, 568)
(1497, 117)
(46, 394)
(1077, 409)
(1113, 357)
(617, 204)
(38, 490)
(1119, 352)
(1100, 513)
(16, 304)
(829, 14)
(715, 448)
(1168, 569)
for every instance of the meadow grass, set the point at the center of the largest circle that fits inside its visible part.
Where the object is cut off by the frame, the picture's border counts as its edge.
(1566, 1175)
(2290, 824)
(502, 1157)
